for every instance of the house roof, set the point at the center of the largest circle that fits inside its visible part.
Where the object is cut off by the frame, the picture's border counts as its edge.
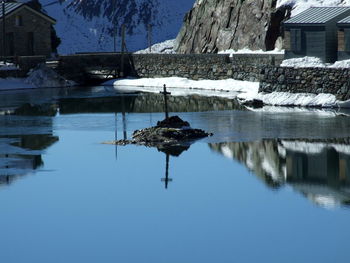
(12, 7)
(9, 7)
(346, 20)
(318, 15)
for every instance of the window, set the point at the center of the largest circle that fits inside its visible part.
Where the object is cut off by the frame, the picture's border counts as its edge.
(18, 20)
(295, 39)
(347, 39)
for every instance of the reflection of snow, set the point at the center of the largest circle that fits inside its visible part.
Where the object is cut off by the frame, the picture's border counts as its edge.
(269, 160)
(314, 147)
(227, 152)
(322, 195)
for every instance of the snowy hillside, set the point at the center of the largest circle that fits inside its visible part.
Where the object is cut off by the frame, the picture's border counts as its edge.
(88, 25)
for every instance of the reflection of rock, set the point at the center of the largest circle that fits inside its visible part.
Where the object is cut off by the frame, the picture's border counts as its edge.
(173, 150)
(172, 135)
(319, 169)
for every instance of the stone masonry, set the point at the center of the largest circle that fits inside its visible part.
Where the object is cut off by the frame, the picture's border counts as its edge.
(307, 80)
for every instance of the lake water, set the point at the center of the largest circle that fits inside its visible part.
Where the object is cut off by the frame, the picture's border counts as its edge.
(267, 187)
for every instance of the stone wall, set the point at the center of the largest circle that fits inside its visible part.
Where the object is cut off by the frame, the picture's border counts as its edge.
(192, 66)
(307, 80)
(204, 66)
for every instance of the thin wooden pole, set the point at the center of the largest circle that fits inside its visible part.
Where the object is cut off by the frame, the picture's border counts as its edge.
(3, 31)
(122, 51)
(149, 34)
(165, 93)
(114, 27)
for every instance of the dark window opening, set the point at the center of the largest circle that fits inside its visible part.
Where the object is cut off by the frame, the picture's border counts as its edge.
(10, 44)
(18, 21)
(30, 43)
(295, 39)
(347, 39)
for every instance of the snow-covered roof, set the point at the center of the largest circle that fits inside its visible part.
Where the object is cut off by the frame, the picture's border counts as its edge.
(11, 7)
(318, 15)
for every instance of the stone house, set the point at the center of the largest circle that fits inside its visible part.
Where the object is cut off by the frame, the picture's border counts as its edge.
(27, 31)
(314, 33)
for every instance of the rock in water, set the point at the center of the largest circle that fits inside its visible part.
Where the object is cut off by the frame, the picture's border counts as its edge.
(173, 122)
(169, 133)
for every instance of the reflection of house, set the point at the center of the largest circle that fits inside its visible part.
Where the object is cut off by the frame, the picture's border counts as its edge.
(324, 177)
(319, 170)
(328, 167)
(27, 31)
(314, 33)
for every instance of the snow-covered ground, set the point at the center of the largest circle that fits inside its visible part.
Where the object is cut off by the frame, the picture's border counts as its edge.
(232, 52)
(313, 62)
(166, 47)
(229, 88)
(243, 90)
(7, 66)
(39, 77)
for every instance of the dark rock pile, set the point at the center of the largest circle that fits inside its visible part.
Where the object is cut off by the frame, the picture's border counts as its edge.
(168, 133)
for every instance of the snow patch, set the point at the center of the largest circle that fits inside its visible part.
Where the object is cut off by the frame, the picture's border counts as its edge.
(44, 77)
(7, 66)
(182, 86)
(301, 5)
(245, 91)
(166, 47)
(313, 62)
(304, 62)
(232, 52)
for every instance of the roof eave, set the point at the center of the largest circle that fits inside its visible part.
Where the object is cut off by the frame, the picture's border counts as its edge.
(46, 17)
(304, 24)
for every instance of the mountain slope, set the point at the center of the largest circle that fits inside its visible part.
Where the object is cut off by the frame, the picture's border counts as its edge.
(89, 25)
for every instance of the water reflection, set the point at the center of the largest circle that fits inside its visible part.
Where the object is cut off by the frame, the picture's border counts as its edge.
(319, 169)
(27, 117)
(26, 132)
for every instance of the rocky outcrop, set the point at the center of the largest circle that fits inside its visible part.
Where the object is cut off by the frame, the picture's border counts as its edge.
(171, 135)
(215, 25)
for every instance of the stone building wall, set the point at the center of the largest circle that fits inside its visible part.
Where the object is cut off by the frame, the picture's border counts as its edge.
(307, 80)
(30, 22)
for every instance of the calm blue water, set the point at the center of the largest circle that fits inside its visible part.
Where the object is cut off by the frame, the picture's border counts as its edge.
(267, 187)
